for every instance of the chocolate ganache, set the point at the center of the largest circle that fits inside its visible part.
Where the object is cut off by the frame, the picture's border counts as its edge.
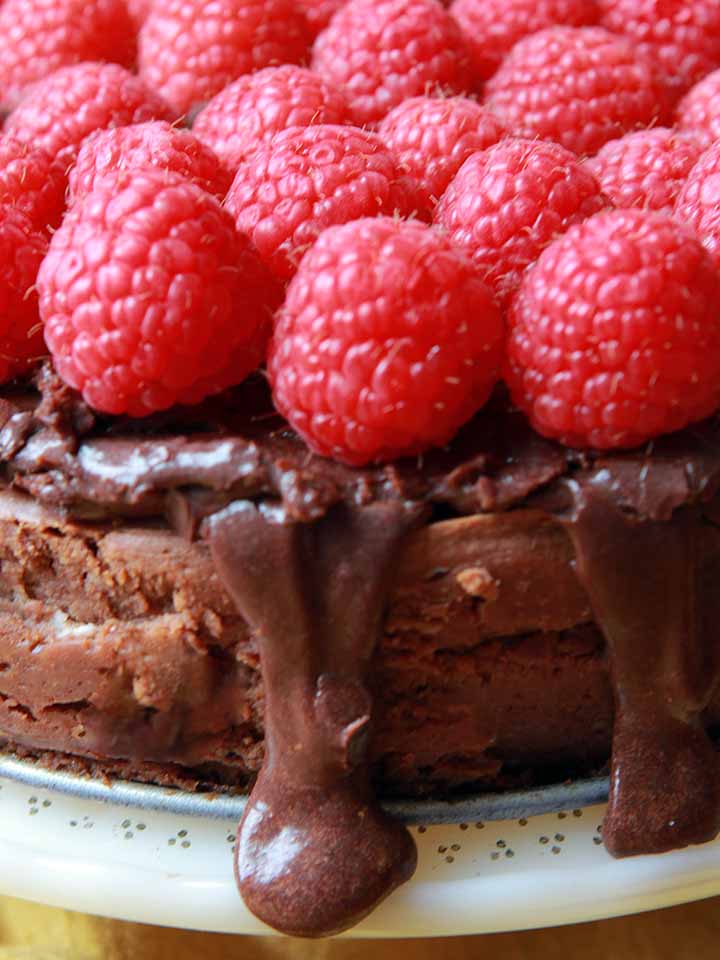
(306, 548)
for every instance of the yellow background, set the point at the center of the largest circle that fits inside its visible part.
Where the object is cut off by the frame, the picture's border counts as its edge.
(30, 932)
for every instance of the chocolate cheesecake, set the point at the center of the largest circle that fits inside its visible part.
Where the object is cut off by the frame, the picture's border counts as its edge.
(195, 599)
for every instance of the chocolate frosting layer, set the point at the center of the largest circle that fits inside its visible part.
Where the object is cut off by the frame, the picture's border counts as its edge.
(306, 547)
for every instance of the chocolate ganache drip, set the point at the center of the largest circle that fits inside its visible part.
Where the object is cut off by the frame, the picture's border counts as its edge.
(315, 852)
(652, 584)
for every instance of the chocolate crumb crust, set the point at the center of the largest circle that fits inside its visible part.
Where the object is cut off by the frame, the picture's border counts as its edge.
(307, 550)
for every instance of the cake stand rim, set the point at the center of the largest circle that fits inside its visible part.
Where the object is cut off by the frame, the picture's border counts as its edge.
(509, 805)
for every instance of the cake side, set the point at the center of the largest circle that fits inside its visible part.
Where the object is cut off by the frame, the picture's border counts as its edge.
(118, 642)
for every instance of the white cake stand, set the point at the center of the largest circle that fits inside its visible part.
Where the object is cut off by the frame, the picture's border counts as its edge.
(173, 867)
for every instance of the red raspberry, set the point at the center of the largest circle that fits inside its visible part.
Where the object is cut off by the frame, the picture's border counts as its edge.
(645, 169)
(579, 86)
(33, 182)
(319, 13)
(388, 342)
(615, 333)
(254, 108)
(699, 110)
(60, 111)
(22, 249)
(681, 36)
(698, 203)
(150, 297)
(156, 144)
(39, 36)
(509, 202)
(310, 178)
(432, 138)
(493, 27)
(385, 51)
(191, 49)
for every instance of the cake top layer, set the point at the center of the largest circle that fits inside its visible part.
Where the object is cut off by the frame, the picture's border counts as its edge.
(55, 448)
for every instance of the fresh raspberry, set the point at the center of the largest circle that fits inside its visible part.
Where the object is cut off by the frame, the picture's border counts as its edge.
(156, 144)
(615, 333)
(579, 86)
(22, 249)
(191, 49)
(384, 51)
(388, 342)
(250, 111)
(150, 297)
(33, 182)
(431, 138)
(699, 110)
(40, 36)
(509, 202)
(493, 27)
(681, 36)
(698, 202)
(646, 168)
(60, 111)
(310, 178)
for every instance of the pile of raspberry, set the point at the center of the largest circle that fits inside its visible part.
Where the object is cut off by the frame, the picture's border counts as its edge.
(391, 208)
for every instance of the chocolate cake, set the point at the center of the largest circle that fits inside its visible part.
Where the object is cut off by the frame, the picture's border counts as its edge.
(188, 594)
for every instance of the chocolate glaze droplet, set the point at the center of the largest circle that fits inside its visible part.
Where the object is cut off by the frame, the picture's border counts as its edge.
(649, 583)
(315, 851)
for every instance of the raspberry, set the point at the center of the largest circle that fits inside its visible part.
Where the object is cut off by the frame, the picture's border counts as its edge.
(681, 36)
(615, 333)
(254, 108)
(191, 49)
(645, 169)
(432, 138)
(698, 202)
(155, 144)
(150, 297)
(33, 182)
(509, 202)
(310, 178)
(385, 51)
(579, 86)
(493, 27)
(699, 110)
(60, 111)
(388, 342)
(22, 249)
(39, 36)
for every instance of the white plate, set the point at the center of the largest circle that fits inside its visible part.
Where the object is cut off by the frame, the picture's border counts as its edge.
(162, 868)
